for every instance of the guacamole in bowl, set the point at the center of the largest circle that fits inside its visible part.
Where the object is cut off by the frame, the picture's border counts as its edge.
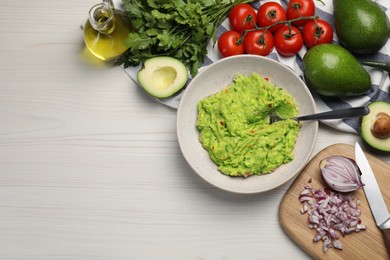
(204, 120)
(234, 126)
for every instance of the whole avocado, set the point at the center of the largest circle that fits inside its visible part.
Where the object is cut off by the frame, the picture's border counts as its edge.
(361, 25)
(331, 70)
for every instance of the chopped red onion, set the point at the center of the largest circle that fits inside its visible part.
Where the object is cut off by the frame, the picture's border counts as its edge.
(330, 213)
(341, 173)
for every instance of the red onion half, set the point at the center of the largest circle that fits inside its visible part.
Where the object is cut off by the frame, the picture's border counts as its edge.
(341, 173)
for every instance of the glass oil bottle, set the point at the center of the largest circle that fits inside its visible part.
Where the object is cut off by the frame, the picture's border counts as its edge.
(106, 30)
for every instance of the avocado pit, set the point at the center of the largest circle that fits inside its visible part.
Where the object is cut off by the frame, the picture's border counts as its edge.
(381, 126)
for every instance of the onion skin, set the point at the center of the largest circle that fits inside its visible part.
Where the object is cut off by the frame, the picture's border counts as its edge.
(341, 173)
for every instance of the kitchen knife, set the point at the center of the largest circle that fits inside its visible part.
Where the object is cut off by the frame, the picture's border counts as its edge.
(374, 196)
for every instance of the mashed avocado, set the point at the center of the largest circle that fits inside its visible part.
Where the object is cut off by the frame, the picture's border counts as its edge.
(235, 129)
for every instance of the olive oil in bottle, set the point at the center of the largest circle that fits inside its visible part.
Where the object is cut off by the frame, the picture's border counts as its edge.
(105, 31)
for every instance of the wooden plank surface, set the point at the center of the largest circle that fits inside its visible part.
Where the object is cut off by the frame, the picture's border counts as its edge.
(90, 168)
(366, 244)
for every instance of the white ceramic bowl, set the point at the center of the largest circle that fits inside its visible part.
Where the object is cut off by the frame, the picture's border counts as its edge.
(220, 75)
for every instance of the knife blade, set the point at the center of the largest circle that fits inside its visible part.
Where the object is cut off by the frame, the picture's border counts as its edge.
(373, 194)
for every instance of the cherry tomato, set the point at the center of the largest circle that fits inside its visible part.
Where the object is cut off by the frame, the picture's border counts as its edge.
(316, 32)
(300, 8)
(259, 42)
(288, 40)
(242, 17)
(229, 44)
(270, 13)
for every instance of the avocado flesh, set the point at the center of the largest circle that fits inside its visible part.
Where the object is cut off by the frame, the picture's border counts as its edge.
(367, 124)
(361, 25)
(331, 70)
(162, 77)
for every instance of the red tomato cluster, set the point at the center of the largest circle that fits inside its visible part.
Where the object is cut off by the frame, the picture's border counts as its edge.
(274, 27)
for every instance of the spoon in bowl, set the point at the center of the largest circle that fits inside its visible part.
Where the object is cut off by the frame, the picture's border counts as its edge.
(334, 114)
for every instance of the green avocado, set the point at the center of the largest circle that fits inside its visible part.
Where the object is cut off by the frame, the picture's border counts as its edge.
(361, 25)
(375, 127)
(163, 76)
(331, 70)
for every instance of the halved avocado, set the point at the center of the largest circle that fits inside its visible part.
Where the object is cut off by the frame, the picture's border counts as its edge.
(375, 127)
(162, 76)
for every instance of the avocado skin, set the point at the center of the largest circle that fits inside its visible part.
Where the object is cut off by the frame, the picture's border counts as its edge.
(361, 25)
(331, 70)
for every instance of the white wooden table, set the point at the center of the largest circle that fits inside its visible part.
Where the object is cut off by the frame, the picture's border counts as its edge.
(90, 167)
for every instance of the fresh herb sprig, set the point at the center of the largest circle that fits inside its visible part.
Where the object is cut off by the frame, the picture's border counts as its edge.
(177, 28)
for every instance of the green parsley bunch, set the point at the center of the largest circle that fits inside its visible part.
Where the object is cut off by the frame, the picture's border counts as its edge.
(177, 28)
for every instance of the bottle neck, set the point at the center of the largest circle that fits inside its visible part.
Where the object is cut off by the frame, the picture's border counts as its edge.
(109, 3)
(101, 17)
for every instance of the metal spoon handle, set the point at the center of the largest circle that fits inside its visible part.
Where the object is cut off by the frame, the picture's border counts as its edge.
(336, 114)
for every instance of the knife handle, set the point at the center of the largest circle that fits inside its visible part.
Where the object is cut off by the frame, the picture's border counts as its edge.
(386, 236)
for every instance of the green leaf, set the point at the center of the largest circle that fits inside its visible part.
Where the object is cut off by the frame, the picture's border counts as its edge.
(162, 16)
(194, 66)
(164, 41)
(133, 7)
(138, 25)
(177, 3)
(137, 41)
(176, 41)
(153, 32)
(210, 29)
(207, 2)
(152, 3)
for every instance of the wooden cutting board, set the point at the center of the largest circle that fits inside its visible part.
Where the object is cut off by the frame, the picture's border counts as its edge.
(366, 244)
